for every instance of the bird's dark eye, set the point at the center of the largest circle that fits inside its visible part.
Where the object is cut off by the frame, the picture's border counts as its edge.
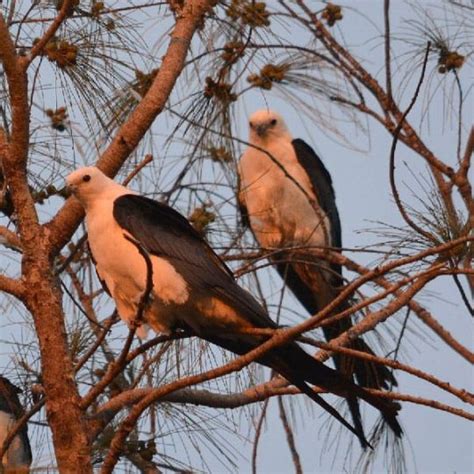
(86, 177)
(251, 124)
(273, 122)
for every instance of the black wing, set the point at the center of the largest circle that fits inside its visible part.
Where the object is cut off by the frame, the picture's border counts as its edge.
(244, 214)
(322, 186)
(368, 374)
(164, 232)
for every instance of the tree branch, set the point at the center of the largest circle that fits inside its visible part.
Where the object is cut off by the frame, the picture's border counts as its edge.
(50, 32)
(388, 68)
(10, 239)
(12, 286)
(132, 131)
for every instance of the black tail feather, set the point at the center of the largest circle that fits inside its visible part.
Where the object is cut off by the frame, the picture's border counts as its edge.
(357, 430)
(370, 374)
(307, 368)
(315, 289)
(299, 368)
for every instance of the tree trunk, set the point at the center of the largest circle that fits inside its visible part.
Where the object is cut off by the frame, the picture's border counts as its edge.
(62, 403)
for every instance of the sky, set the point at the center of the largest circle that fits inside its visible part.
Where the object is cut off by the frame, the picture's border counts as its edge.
(435, 441)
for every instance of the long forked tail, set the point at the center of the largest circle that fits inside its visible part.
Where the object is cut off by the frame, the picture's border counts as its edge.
(368, 374)
(357, 429)
(314, 372)
(315, 288)
(299, 368)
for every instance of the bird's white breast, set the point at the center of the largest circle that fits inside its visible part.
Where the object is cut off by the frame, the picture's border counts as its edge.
(279, 203)
(123, 269)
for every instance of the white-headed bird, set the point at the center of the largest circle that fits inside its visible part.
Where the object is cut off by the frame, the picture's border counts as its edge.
(287, 198)
(135, 240)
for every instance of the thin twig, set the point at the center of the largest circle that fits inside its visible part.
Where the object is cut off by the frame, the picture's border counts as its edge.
(21, 422)
(50, 32)
(258, 434)
(290, 438)
(430, 237)
(148, 159)
(388, 68)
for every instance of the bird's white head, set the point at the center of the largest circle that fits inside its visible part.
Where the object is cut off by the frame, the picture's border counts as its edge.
(89, 183)
(266, 125)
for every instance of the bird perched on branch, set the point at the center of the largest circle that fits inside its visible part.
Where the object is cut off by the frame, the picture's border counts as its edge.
(141, 246)
(18, 455)
(287, 198)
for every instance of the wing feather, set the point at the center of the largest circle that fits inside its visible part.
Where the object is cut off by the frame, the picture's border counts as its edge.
(164, 232)
(321, 183)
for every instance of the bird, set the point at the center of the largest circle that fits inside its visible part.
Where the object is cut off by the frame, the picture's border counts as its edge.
(139, 244)
(18, 456)
(286, 197)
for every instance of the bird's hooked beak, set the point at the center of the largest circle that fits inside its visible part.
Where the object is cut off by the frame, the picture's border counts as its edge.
(261, 129)
(69, 189)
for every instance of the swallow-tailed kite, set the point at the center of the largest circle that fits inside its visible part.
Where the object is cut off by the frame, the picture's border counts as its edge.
(129, 235)
(287, 197)
(18, 455)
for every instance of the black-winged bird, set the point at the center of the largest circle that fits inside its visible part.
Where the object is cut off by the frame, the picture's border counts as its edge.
(18, 455)
(288, 200)
(192, 288)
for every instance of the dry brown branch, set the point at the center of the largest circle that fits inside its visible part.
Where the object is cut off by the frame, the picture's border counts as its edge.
(258, 434)
(132, 131)
(388, 66)
(263, 392)
(462, 394)
(419, 310)
(105, 11)
(9, 239)
(15, 429)
(426, 402)
(430, 237)
(290, 438)
(12, 286)
(393, 288)
(49, 33)
(148, 159)
(43, 298)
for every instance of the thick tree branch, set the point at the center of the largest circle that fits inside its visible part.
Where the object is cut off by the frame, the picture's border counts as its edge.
(43, 298)
(12, 286)
(132, 131)
(10, 239)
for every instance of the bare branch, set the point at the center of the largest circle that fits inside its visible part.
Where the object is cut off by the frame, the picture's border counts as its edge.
(10, 239)
(132, 131)
(258, 435)
(50, 32)
(430, 237)
(388, 71)
(12, 286)
(290, 438)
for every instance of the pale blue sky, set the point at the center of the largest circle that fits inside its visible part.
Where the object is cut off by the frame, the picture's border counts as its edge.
(439, 442)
